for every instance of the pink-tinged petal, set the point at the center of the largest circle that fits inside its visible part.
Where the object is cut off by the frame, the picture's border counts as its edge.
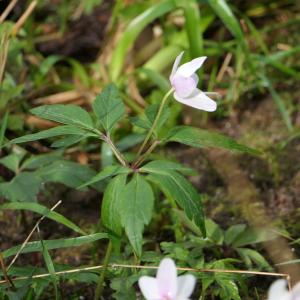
(149, 288)
(186, 70)
(184, 86)
(198, 100)
(176, 64)
(278, 291)
(186, 285)
(296, 292)
(167, 279)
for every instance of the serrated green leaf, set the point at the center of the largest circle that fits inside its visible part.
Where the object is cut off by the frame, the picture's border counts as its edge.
(110, 212)
(137, 202)
(55, 244)
(214, 232)
(107, 172)
(42, 210)
(70, 173)
(175, 186)
(38, 161)
(147, 120)
(109, 107)
(252, 255)
(66, 114)
(55, 131)
(200, 138)
(130, 141)
(157, 165)
(69, 141)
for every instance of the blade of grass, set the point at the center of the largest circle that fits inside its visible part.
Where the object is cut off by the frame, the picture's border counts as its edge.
(44, 211)
(224, 12)
(192, 27)
(3, 128)
(49, 264)
(279, 103)
(132, 31)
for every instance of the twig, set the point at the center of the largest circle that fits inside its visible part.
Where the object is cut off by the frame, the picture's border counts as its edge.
(24, 17)
(30, 235)
(112, 266)
(7, 10)
(3, 52)
(4, 270)
(224, 67)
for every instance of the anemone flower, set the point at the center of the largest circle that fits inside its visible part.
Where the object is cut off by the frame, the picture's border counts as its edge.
(166, 285)
(278, 291)
(184, 81)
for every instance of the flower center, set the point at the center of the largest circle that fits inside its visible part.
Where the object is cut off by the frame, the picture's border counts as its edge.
(167, 296)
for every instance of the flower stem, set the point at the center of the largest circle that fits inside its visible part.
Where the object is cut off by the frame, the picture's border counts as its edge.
(163, 102)
(148, 152)
(99, 288)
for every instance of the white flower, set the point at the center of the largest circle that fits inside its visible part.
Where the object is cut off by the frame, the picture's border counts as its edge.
(184, 81)
(166, 285)
(278, 291)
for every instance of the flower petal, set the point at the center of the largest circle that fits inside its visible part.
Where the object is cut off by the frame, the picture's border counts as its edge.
(149, 288)
(184, 86)
(296, 292)
(176, 64)
(186, 70)
(186, 285)
(278, 291)
(198, 100)
(167, 278)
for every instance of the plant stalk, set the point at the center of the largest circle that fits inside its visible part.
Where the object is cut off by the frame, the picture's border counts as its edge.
(99, 288)
(163, 102)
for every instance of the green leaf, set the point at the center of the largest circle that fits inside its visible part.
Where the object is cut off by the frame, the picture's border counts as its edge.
(214, 232)
(176, 187)
(157, 165)
(69, 141)
(150, 114)
(233, 232)
(130, 141)
(249, 255)
(55, 244)
(67, 172)
(42, 210)
(107, 172)
(110, 212)
(67, 114)
(55, 131)
(50, 267)
(228, 289)
(199, 138)
(253, 236)
(137, 202)
(109, 107)
(12, 161)
(38, 161)
(23, 187)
